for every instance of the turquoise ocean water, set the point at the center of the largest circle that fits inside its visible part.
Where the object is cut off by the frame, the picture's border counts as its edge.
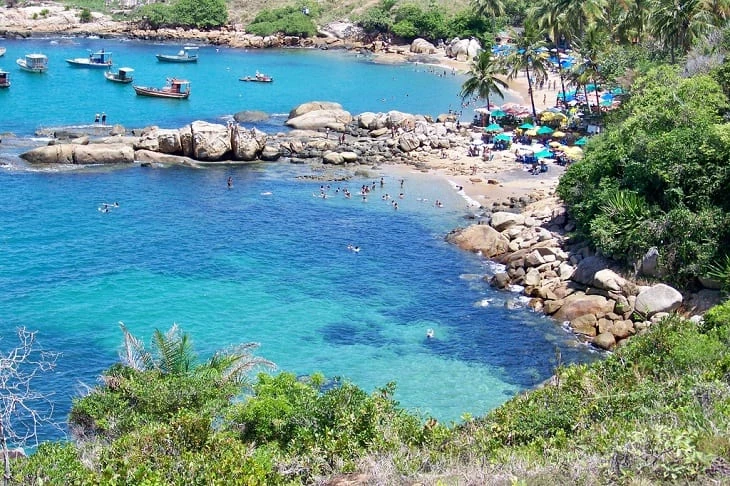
(265, 261)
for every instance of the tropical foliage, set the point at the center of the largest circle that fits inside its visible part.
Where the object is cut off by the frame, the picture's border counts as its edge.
(656, 410)
(200, 14)
(658, 176)
(293, 20)
(484, 78)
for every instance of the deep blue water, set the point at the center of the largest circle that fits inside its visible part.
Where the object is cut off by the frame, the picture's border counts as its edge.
(241, 265)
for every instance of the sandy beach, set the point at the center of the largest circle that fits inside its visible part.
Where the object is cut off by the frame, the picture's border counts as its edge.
(502, 178)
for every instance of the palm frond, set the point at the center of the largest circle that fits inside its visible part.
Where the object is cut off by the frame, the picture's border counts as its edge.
(133, 352)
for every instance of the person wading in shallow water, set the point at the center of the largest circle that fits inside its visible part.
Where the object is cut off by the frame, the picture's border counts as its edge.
(230, 182)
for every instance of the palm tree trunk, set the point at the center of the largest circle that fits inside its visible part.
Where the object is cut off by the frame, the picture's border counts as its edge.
(529, 90)
(562, 82)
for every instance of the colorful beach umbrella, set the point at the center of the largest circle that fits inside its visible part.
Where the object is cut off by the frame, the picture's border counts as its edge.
(544, 130)
(526, 126)
(503, 137)
(544, 154)
(498, 113)
(581, 141)
(494, 127)
(531, 132)
(558, 134)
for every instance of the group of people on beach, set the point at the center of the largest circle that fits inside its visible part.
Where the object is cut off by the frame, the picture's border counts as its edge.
(100, 119)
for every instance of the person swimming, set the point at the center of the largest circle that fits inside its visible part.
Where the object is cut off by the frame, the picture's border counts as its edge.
(429, 333)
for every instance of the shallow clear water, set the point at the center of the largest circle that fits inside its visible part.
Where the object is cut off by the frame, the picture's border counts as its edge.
(241, 265)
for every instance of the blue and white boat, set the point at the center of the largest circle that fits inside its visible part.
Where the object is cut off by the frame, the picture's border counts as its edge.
(187, 54)
(34, 63)
(99, 59)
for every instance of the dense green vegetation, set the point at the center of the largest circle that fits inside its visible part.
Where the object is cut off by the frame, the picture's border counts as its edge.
(294, 20)
(200, 14)
(656, 410)
(659, 176)
(408, 21)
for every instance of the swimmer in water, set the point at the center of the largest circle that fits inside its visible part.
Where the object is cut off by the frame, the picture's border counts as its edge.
(429, 334)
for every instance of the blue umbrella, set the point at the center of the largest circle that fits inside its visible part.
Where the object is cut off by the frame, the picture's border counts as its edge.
(544, 154)
(503, 137)
(498, 113)
(544, 130)
(494, 127)
(581, 141)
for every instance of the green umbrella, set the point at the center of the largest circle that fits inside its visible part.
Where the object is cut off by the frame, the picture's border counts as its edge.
(498, 113)
(581, 141)
(527, 126)
(544, 154)
(494, 127)
(544, 130)
(503, 137)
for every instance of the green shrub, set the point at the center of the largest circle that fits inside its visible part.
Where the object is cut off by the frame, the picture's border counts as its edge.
(85, 15)
(288, 21)
(202, 14)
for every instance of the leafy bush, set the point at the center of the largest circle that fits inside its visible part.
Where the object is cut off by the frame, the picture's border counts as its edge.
(293, 20)
(85, 15)
(202, 14)
(666, 149)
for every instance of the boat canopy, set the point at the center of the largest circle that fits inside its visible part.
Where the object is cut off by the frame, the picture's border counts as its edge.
(36, 60)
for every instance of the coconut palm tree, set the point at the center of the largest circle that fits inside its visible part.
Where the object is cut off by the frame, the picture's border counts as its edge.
(172, 353)
(531, 56)
(484, 78)
(587, 69)
(679, 23)
(489, 8)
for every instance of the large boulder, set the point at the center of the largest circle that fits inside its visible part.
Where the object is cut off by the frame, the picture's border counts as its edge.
(587, 269)
(580, 304)
(168, 141)
(501, 220)
(150, 157)
(250, 116)
(50, 154)
(211, 141)
(422, 46)
(408, 142)
(608, 280)
(480, 238)
(103, 154)
(247, 144)
(335, 119)
(314, 106)
(658, 298)
(398, 119)
(463, 49)
(186, 140)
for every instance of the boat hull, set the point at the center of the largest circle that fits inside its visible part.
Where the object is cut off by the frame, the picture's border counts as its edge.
(166, 58)
(160, 93)
(252, 79)
(25, 67)
(2, 51)
(114, 77)
(84, 63)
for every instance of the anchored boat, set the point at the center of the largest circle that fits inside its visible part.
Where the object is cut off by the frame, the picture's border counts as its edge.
(4, 79)
(123, 75)
(187, 54)
(34, 63)
(99, 59)
(175, 88)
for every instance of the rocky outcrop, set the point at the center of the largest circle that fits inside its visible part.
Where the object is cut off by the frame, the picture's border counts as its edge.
(81, 154)
(211, 141)
(480, 238)
(422, 46)
(334, 119)
(463, 49)
(564, 280)
(310, 106)
(247, 144)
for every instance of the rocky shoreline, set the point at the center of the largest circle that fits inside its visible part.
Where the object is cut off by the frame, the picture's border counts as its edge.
(563, 278)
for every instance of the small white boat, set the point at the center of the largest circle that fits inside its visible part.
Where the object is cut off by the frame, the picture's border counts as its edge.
(2, 51)
(123, 75)
(99, 59)
(34, 63)
(187, 54)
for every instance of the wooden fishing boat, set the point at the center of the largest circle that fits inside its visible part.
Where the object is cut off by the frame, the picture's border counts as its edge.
(34, 63)
(4, 79)
(123, 75)
(187, 54)
(258, 78)
(175, 88)
(99, 59)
